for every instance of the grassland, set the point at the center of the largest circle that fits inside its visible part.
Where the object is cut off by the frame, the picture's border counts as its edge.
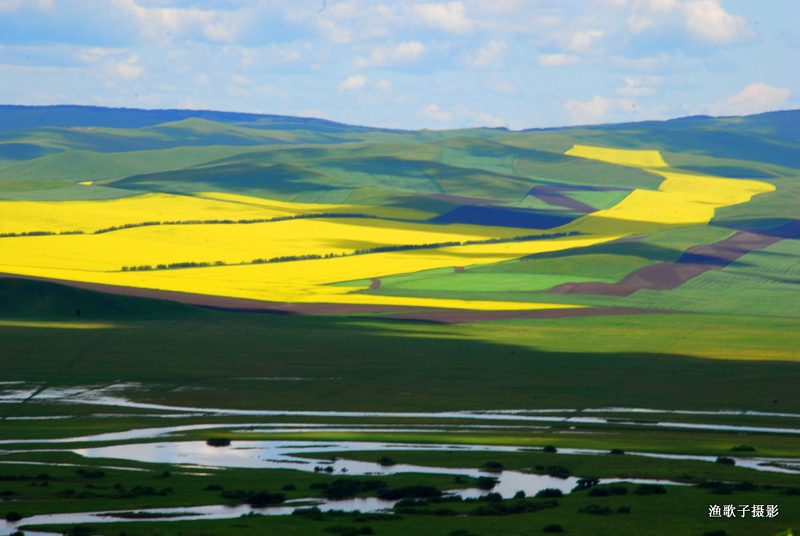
(90, 191)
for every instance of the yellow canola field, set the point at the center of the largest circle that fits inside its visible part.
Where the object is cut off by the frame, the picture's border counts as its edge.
(622, 157)
(681, 199)
(90, 216)
(316, 208)
(307, 281)
(231, 244)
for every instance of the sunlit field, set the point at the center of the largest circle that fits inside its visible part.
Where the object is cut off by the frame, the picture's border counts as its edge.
(182, 237)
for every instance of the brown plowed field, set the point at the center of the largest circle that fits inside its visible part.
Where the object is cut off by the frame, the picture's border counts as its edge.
(669, 275)
(552, 196)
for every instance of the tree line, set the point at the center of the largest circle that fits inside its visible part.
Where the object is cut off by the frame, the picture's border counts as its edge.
(192, 222)
(379, 249)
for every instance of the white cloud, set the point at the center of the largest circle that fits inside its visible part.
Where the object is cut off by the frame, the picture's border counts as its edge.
(487, 120)
(753, 99)
(490, 55)
(240, 80)
(95, 54)
(317, 114)
(353, 82)
(583, 42)
(334, 33)
(383, 85)
(219, 32)
(557, 60)
(706, 20)
(709, 21)
(662, 62)
(127, 69)
(634, 88)
(478, 119)
(404, 52)
(433, 111)
(450, 17)
(164, 22)
(588, 112)
(343, 10)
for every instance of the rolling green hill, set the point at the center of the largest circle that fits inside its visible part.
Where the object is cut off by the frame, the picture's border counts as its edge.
(490, 177)
(472, 287)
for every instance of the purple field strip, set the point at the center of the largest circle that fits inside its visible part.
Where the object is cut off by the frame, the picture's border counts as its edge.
(668, 275)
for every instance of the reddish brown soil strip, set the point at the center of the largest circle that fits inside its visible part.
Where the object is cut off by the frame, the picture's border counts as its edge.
(667, 275)
(468, 317)
(552, 196)
(376, 284)
(230, 304)
(458, 269)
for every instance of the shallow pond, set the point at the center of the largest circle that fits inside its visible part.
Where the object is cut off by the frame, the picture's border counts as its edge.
(279, 454)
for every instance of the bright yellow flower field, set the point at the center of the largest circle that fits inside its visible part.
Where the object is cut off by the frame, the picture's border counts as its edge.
(681, 199)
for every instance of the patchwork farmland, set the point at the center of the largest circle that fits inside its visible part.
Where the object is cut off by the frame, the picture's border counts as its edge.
(263, 278)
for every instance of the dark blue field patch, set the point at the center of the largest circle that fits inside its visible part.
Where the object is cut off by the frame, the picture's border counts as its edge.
(503, 217)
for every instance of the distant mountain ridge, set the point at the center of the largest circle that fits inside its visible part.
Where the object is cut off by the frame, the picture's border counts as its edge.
(16, 117)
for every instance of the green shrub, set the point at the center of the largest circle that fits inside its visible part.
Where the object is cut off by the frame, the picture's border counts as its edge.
(549, 493)
(595, 509)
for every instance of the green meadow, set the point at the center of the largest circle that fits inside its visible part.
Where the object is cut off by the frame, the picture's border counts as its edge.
(705, 368)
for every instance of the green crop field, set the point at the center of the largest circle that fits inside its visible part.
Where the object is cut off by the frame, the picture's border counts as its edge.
(205, 316)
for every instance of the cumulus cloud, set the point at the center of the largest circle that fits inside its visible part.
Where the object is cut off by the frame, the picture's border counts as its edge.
(583, 42)
(404, 52)
(588, 112)
(662, 62)
(709, 21)
(95, 54)
(480, 119)
(634, 87)
(557, 60)
(353, 82)
(333, 32)
(160, 22)
(383, 85)
(433, 111)
(127, 69)
(705, 20)
(450, 17)
(483, 119)
(753, 99)
(490, 55)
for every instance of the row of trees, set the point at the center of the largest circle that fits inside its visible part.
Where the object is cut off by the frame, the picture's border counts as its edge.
(189, 222)
(379, 249)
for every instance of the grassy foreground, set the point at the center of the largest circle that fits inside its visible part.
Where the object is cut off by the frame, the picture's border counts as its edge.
(373, 365)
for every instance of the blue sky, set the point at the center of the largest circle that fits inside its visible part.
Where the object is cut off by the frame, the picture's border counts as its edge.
(408, 63)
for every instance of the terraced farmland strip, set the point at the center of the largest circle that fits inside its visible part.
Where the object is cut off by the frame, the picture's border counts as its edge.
(667, 276)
